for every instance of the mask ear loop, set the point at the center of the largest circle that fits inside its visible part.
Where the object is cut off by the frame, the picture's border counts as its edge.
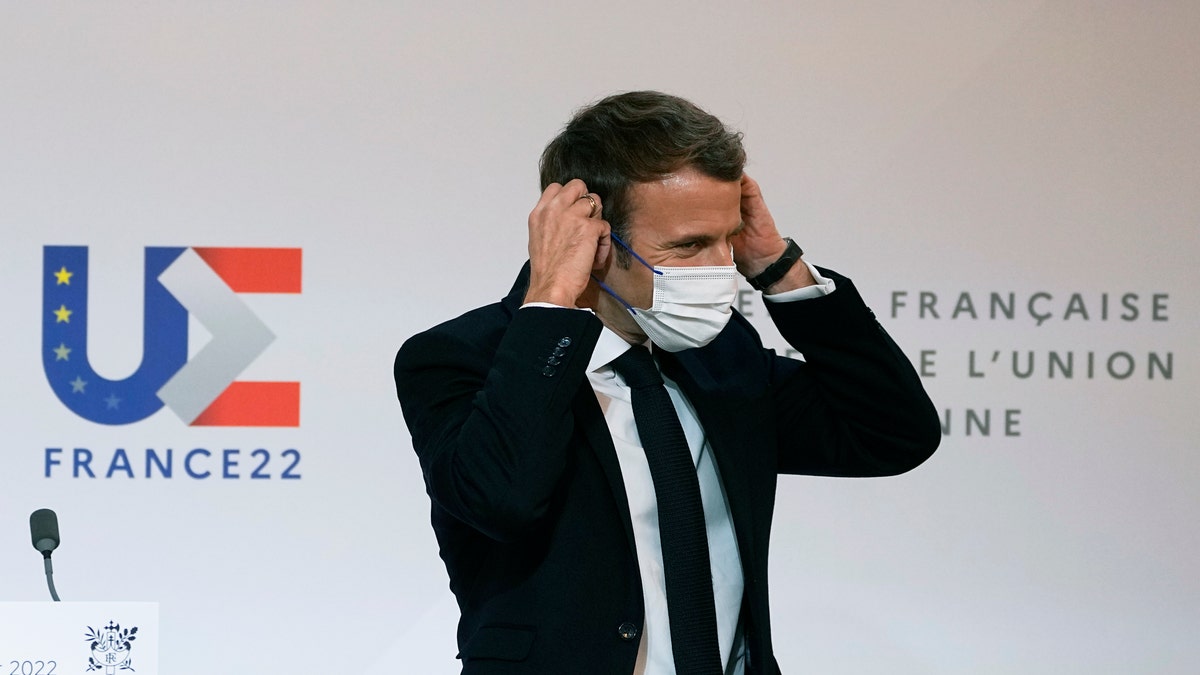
(632, 253)
(614, 294)
(631, 308)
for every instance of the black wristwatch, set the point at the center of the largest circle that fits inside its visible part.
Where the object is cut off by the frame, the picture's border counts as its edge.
(776, 270)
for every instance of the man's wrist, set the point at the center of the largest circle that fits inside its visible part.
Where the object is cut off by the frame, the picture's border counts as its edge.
(776, 271)
(549, 296)
(794, 289)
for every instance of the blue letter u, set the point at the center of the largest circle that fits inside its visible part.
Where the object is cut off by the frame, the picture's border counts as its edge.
(64, 339)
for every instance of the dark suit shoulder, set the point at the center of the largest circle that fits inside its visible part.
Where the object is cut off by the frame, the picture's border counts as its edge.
(480, 328)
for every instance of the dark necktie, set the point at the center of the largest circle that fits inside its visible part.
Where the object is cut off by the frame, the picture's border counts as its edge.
(688, 575)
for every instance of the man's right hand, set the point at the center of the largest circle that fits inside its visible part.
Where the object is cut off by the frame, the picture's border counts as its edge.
(568, 239)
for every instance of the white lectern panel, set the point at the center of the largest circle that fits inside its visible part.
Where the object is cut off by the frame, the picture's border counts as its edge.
(55, 638)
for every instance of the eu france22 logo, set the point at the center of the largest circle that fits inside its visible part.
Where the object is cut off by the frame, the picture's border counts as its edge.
(203, 282)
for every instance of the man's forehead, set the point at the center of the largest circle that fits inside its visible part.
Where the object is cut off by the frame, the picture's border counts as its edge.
(685, 201)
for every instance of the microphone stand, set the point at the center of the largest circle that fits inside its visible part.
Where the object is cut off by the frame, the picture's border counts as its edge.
(50, 576)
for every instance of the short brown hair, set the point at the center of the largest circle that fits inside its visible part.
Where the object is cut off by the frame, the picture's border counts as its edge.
(638, 137)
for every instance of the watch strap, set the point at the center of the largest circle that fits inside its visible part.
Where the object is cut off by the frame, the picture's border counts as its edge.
(778, 269)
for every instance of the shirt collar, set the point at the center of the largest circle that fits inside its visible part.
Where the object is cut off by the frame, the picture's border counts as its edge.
(608, 347)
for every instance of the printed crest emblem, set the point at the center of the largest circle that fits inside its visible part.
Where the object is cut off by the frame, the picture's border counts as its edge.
(111, 648)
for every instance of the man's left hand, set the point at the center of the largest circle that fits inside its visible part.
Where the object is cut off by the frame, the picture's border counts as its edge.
(759, 243)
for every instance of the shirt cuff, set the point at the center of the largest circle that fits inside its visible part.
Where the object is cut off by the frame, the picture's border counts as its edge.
(551, 305)
(824, 286)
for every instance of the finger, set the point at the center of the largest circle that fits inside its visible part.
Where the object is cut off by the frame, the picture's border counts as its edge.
(755, 213)
(548, 195)
(576, 187)
(749, 184)
(592, 201)
(751, 192)
(571, 192)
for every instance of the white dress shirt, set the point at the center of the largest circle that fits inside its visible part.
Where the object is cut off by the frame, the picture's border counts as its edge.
(614, 396)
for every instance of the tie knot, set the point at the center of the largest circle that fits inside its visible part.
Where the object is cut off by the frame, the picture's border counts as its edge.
(636, 365)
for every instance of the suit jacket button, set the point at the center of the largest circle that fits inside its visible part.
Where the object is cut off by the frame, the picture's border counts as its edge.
(548, 371)
(627, 631)
(564, 342)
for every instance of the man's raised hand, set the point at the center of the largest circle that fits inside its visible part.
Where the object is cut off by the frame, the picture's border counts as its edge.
(568, 239)
(759, 243)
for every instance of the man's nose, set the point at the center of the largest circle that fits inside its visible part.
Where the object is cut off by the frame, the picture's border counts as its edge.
(719, 256)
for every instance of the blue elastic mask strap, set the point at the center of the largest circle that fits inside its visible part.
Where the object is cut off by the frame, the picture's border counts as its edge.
(639, 258)
(631, 308)
(614, 294)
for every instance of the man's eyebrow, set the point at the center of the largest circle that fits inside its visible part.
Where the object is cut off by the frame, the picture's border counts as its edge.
(692, 239)
(704, 238)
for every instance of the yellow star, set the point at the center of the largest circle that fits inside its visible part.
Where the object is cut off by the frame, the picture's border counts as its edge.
(62, 314)
(62, 353)
(63, 276)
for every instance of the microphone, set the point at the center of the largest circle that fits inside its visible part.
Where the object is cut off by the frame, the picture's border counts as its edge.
(43, 525)
(43, 530)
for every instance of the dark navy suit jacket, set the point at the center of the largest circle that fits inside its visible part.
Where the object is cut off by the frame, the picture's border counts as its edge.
(528, 504)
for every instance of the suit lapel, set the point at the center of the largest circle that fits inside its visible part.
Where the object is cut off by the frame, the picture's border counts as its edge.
(591, 421)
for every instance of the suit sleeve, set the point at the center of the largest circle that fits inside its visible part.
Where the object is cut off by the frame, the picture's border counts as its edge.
(855, 406)
(490, 421)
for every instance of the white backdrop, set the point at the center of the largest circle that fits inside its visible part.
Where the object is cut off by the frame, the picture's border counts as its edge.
(1045, 152)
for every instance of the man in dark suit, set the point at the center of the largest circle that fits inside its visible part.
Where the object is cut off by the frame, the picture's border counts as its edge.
(555, 522)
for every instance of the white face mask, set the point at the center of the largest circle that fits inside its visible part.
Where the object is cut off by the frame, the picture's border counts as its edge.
(691, 304)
